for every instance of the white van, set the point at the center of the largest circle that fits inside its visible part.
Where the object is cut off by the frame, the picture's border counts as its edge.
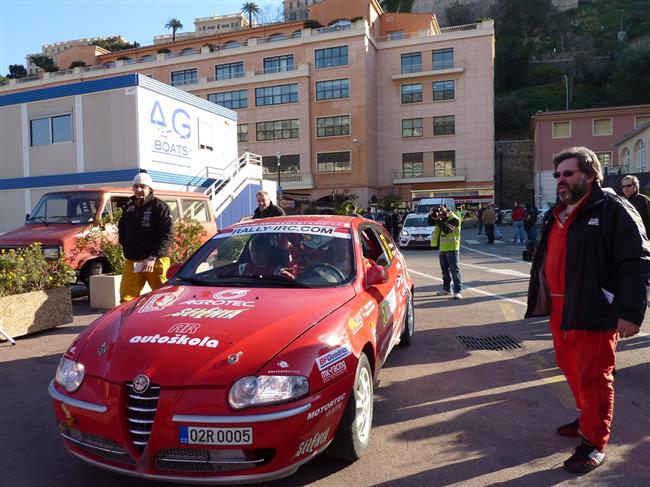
(416, 231)
(425, 204)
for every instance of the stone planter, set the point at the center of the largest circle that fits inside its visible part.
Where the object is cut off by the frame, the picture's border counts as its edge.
(104, 290)
(25, 313)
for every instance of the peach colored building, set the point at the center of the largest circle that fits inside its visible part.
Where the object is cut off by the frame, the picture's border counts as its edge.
(596, 128)
(390, 104)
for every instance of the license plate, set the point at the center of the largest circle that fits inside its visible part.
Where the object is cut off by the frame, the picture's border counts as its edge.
(191, 435)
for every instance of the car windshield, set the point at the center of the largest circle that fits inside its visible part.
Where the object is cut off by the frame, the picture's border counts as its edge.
(416, 222)
(297, 256)
(73, 207)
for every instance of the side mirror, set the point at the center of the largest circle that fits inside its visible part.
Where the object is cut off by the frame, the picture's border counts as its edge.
(173, 269)
(376, 274)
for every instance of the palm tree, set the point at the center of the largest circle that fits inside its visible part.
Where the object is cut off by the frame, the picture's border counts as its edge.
(174, 25)
(250, 8)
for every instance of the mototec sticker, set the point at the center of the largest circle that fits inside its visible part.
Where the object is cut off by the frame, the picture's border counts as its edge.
(327, 408)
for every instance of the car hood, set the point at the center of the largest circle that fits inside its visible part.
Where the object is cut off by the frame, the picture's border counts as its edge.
(183, 335)
(53, 234)
(419, 229)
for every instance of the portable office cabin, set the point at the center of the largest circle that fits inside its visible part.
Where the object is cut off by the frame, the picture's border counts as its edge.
(103, 132)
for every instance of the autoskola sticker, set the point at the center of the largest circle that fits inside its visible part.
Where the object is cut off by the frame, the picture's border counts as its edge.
(160, 301)
(312, 443)
(333, 371)
(198, 313)
(176, 340)
(330, 358)
(328, 408)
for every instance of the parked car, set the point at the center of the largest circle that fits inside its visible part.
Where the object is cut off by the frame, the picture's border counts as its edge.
(506, 217)
(416, 231)
(238, 370)
(425, 204)
(60, 217)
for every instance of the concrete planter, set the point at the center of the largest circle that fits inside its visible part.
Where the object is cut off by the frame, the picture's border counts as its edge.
(104, 290)
(26, 313)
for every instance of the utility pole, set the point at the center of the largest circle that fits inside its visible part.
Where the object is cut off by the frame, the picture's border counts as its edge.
(566, 91)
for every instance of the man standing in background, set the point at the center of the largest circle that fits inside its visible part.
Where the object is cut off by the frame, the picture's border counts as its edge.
(518, 217)
(640, 201)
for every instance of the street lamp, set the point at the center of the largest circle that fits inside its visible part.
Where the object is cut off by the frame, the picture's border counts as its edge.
(279, 180)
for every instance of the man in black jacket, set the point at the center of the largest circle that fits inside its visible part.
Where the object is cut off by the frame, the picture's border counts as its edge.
(591, 273)
(265, 207)
(145, 233)
(640, 201)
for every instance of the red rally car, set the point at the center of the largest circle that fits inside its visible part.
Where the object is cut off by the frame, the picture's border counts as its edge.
(260, 353)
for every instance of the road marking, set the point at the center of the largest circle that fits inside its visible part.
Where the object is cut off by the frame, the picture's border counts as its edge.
(473, 242)
(476, 290)
(509, 312)
(506, 272)
(493, 255)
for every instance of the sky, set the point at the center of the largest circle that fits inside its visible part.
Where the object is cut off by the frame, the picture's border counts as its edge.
(26, 25)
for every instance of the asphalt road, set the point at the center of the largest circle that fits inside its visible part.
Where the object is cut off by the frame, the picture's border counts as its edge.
(444, 415)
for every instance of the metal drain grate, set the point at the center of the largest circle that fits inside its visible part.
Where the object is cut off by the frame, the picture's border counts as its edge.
(501, 342)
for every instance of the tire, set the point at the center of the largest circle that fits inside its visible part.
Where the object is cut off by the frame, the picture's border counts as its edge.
(408, 327)
(353, 435)
(92, 268)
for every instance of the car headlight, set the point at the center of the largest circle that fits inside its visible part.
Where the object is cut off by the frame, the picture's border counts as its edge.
(405, 233)
(267, 389)
(70, 374)
(51, 252)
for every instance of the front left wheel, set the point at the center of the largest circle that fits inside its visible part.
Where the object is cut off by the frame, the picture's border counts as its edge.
(408, 327)
(353, 435)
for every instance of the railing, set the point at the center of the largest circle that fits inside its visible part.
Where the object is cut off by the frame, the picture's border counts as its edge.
(616, 170)
(333, 28)
(458, 28)
(419, 68)
(223, 77)
(429, 173)
(279, 69)
(99, 67)
(285, 177)
(222, 176)
(184, 82)
(62, 73)
(27, 79)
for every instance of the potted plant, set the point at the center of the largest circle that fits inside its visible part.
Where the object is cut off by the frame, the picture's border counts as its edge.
(34, 292)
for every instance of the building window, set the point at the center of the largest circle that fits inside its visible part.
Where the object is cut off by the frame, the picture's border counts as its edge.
(626, 157)
(445, 125)
(51, 130)
(289, 163)
(278, 129)
(412, 62)
(396, 35)
(641, 156)
(329, 90)
(333, 161)
(230, 99)
(641, 120)
(333, 126)
(332, 56)
(443, 59)
(443, 90)
(185, 77)
(412, 93)
(561, 130)
(229, 71)
(412, 127)
(276, 95)
(605, 158)
(242, 132)
(444, 163)
(602, 126)
(278, 64)
(412, 165)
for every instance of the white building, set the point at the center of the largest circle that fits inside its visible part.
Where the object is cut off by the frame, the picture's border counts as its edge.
(209, 26)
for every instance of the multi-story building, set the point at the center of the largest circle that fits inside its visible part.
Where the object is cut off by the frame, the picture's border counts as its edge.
(390, 104)
(297, 9)
(59, 51)
(596, 128)
(208, 26)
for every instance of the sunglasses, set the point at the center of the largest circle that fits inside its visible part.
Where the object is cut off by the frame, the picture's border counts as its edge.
(628, 185)
(567, 173)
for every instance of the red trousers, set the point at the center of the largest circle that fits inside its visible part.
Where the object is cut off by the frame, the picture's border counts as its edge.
(587, 359)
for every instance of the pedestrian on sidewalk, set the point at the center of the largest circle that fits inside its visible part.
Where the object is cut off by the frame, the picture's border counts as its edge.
(479, 215)
(591, 274)
(518, 217)
(446, 237)
(640, 201)
(489, 218)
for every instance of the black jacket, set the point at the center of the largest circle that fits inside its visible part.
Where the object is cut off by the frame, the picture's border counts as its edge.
(145, 230)
(642, 205)
(607, 252)
(271, 210)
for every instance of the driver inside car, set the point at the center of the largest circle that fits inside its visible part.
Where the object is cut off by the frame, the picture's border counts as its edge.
(266, 259)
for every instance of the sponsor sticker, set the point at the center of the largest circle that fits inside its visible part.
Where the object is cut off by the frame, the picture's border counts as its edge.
(199, 313)
(302, 228)
(160, 301)
(313, 443)
(388, 306)
(176, 340)
(184, 328)
(328, 408)
(334, 371)
(331, 357)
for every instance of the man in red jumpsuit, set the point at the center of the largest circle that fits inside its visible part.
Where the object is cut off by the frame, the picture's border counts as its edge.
(591, 273)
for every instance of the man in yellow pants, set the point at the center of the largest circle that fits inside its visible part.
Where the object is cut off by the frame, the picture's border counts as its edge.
(145, 232)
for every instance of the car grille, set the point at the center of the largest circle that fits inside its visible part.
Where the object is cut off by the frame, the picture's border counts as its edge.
(205, 460)
(141, 412)
(104, 448)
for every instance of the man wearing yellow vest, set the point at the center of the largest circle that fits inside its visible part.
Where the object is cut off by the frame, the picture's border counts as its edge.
(446, 237)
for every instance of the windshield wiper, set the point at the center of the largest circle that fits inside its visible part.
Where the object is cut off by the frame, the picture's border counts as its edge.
(35, 218)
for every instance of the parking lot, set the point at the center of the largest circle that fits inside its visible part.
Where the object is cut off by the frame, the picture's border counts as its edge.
(444, 414)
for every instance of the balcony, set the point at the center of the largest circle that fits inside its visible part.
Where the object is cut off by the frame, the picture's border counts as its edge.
(616, 170)
(425, 70)
(292, 180)
(429, 176)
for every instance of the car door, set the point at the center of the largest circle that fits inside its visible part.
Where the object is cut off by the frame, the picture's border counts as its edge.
(385, 295)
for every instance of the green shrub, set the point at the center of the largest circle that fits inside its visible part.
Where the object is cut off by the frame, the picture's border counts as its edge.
(312, 24)
(187, 240)
(26, 269)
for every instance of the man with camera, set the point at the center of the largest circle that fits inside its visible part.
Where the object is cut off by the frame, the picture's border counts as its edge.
(446, 237)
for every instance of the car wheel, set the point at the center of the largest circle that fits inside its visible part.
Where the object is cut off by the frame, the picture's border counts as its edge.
(353, 435)
(408, 327)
